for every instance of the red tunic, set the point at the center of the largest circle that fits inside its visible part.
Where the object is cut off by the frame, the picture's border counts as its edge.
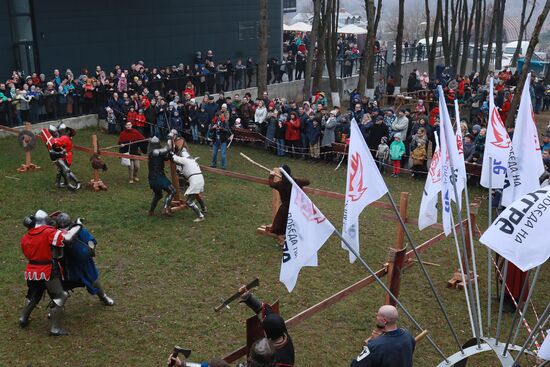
(514, 280)
(36, 245)
(67, 143)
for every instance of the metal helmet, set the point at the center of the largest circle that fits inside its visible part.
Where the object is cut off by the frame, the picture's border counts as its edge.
(29, 221)
(62, 220)
(262, 353)
(41, 218)
(154, 143)
(53, 130)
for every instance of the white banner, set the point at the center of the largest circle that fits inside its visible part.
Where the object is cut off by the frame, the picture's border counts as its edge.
(428, 206)
(307, 230)
(497, 148)
(460, 166)
(364, 184)
(520, 233)
(525, 160)
(447, 141)
(544, 351)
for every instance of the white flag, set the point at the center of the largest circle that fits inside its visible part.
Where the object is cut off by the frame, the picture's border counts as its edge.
(497, 148)
(428, 206)
(364, 185)
(447, 141)
(525, 161)
(520, 232)
(307, 229)
(544, 351)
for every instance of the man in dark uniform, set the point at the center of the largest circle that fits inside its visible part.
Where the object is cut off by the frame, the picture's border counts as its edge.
(43, 246)
(388, 346)
(157, 179)
(279, 182)
(274, 329)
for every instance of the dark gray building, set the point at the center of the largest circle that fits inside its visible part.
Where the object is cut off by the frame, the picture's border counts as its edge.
(42, 35)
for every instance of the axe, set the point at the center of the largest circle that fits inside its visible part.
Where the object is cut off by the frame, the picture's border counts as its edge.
(186, 353)
(252, 284)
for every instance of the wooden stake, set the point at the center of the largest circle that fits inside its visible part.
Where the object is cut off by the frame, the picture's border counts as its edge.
(95, 183)
(397, 253)
(28, 165)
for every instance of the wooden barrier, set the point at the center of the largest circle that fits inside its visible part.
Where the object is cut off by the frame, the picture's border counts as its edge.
(96, 183)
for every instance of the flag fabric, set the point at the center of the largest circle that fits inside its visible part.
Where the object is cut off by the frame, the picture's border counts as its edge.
(497, 148)
(307, 230)
(520, 232)
(428, 206)
(544, 351)
(364, 184)
(525, 160)
(449, 152)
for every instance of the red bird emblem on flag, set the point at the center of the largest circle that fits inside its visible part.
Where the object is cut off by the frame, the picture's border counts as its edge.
(308, 210)
(502, 140)
(459, 143)
(435, 170)
(356, 188)
(537, 143)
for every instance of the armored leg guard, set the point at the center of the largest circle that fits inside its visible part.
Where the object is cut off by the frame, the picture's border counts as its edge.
(56, 313)
(26, 313)
(156, 198)
(107, 301)
(201, 203)
(168, 201)
(191, 204)
(59, 297)
(58, 182)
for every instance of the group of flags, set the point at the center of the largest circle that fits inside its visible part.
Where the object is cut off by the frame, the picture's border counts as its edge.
(514, 166)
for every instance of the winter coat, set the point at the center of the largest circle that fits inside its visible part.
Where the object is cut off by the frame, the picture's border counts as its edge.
(397, 149)
(376, 133)
(401, 125)
(292, 130)
(260, 115)
(313, 132)
(328, 134)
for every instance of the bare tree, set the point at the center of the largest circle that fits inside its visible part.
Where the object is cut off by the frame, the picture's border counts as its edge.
(366, 72)
(482, 35)
(477, 6)
(311, 48)
(499, 33)
(467, 35)
(526, 65)
(399, 43)
(262, 46)
(322, 34)
(330, 47)
(522, 28)
(489, 52)
(431, 66)
(438, 20)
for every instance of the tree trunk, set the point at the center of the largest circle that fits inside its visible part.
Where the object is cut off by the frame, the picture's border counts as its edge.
(431, 66)
(445, 35)
(459, 22)
(330, 47)
(482, 36)
(489, 52)
(366, 72)
(262, 51)
(477, 34)
(467, 35)
(433, 49)
(522, 29)
(499, 34)
(321, 36)
(399, 43)
(528, 56)
(311, 49)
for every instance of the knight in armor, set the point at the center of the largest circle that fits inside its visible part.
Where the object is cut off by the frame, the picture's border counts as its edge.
(61, 153)
(279, 182)
(79, 265)
(43, 246)
(189, 171)
(274, 328)
(158, 181)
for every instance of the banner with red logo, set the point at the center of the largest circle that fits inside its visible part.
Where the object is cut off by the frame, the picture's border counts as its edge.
(497, 148)
(307, 230)
(525, 160)
(428, 206)
(364, 184)
(520, 232)
(460, 165)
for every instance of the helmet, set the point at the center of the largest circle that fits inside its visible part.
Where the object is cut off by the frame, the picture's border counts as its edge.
(41, 218)
(274, 326)
(62, 220)
(262, 353)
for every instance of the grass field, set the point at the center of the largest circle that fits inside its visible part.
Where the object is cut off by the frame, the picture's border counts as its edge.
(167, 274)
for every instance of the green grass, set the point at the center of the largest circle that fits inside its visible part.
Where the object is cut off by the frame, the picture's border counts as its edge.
(167, 274)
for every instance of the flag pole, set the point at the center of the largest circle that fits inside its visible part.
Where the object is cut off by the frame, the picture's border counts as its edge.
(522, 293)
(424, 271)
(501, 304)
(461, 267)
(467, 262)
(386, 289)
(470, 233)
(489, 251)
(539, 324)
(526, 305)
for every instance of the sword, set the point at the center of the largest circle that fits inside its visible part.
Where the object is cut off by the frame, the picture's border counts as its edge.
(252, 284)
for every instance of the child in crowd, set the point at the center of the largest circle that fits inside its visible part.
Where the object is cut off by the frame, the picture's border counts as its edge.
(382, 154)
(419, 153)
(111, 120)
(397, 150)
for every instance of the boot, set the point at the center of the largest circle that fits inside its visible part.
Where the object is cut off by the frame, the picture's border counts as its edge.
(26, 313)
(167, 212)
(58, 182)
(107, 301)
(55, 320)
(195, 208)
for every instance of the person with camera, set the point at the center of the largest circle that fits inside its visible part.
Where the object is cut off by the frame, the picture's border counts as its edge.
(275, 331)
(219, 130)
(388, 345)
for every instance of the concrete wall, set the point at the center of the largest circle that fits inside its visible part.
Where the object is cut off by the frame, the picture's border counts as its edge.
(76, 123)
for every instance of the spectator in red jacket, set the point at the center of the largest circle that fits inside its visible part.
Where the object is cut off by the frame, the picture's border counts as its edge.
(189, 89)
(139, 121)
(131, 116)
(292, 134)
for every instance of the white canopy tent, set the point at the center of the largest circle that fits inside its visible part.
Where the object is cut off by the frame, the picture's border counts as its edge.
(297, 27)
(352, 29)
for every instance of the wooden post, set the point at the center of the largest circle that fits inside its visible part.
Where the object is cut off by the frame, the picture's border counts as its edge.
(397, 253)
(28, 165)
(177, 204)
(275, 205)
(95, 183)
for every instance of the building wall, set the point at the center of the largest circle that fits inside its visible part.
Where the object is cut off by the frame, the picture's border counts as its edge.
(75, 34)
(6, 50)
